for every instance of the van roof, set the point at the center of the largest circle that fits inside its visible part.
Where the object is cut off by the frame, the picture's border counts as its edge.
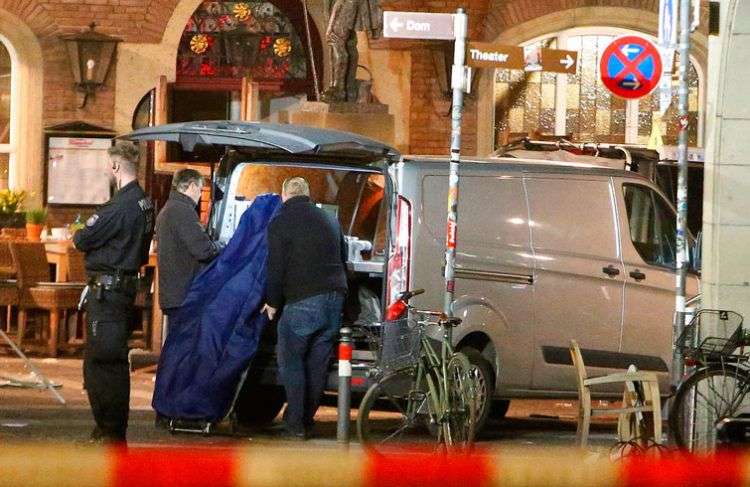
(528, 165)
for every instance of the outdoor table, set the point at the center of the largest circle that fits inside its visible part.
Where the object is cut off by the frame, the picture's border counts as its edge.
(57, 254)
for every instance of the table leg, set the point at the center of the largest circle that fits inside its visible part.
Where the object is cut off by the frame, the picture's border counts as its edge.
(54, 323)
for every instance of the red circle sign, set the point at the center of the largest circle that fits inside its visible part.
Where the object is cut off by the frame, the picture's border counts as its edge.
(630, 67)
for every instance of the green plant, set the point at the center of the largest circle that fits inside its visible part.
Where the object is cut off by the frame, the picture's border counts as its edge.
(37, 216)
(11, 201)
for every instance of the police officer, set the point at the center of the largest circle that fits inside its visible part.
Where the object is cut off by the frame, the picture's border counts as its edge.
(116, 242)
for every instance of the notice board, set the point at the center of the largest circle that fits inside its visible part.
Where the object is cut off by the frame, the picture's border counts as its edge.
(77, 170)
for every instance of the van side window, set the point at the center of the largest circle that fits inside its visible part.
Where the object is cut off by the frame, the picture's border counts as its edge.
(652, 225)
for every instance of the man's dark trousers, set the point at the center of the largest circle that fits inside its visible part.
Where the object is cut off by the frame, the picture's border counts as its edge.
(105, 366)
(307, 332)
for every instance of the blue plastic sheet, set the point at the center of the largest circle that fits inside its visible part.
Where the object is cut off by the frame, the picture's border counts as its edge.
(214, 335)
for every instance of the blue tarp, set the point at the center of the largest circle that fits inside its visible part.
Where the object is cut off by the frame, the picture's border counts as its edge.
(214, 335)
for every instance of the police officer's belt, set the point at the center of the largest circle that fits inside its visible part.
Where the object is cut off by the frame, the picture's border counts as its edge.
(115, 282)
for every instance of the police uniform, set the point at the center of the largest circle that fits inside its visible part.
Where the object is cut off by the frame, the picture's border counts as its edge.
(116, 242)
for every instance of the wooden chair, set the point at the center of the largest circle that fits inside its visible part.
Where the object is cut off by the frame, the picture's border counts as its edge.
(36, 292)
(651, 403)
(8, 290)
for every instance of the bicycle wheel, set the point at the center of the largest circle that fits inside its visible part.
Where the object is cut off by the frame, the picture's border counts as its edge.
(460, 408)
(706, 397)
(395, 409)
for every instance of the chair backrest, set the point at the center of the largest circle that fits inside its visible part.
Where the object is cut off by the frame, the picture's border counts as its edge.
(6, 258)
(575, 355)
(76, 265)
(30, 261)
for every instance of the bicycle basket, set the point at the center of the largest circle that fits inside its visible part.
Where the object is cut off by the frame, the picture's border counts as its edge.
(396, 343)
(711, 335)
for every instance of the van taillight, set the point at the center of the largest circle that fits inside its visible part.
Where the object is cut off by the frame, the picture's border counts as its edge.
(399, 256)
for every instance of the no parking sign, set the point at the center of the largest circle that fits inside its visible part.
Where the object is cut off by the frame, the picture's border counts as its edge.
(630, 67)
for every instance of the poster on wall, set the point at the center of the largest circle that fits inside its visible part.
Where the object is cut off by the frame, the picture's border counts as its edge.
(76, 171)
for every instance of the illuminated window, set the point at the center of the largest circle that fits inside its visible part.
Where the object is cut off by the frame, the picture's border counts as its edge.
(6, 71)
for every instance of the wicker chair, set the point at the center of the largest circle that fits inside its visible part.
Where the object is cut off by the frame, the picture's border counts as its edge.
(36, 292)
(8, 290)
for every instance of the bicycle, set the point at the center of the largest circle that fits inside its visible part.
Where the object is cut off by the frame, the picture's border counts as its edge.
(716, 388)
(423, 386)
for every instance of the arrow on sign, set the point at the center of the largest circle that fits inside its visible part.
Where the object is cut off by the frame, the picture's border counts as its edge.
(628, 49)
(632, 84)
(567, 61)
(396, 24)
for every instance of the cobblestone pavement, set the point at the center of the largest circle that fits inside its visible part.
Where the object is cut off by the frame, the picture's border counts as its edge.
(34, 415)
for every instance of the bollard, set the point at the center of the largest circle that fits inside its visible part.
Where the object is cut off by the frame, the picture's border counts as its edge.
(345, 386)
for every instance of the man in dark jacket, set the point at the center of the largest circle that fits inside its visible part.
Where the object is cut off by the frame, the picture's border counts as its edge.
(306, 274)
(183, 246)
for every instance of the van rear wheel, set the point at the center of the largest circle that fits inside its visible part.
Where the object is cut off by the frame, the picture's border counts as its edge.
(485, 385)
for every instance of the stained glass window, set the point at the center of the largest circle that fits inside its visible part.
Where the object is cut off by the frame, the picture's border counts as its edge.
(226, 39)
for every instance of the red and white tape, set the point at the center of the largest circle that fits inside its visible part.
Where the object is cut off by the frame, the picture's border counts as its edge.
(269, 466)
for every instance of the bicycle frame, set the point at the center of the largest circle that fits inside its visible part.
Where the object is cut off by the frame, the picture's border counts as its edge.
(432, 360)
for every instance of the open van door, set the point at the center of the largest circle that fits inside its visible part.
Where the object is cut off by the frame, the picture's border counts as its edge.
(269, 137)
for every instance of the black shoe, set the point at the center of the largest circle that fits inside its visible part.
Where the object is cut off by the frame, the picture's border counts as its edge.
(280, 430)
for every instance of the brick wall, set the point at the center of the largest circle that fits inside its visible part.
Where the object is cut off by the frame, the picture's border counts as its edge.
(145, 20)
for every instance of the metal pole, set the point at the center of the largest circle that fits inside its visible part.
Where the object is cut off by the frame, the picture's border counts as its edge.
(458, 84)
(682, 201)
(345, 386)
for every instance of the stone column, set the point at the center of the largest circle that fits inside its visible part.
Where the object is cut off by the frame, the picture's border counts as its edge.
(726, 217)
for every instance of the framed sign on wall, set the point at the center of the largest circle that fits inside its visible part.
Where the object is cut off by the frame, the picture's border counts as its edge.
(76, 168)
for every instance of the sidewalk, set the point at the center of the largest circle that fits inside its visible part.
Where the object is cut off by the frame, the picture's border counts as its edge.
(34, 415)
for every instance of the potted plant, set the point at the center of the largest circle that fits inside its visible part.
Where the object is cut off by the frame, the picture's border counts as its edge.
(10, 204)
(34, 223)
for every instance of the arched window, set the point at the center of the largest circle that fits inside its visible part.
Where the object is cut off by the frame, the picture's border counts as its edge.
(6, 75)
(578, 105)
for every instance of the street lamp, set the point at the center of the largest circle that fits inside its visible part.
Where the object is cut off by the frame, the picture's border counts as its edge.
(91, 54)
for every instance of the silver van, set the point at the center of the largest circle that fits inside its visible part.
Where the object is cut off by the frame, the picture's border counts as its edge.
(547, 252)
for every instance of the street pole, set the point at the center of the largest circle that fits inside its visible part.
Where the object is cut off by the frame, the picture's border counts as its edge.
(682, 201)
(458, 84)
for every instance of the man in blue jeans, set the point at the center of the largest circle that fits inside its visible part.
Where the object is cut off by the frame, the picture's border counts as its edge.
(306, 274)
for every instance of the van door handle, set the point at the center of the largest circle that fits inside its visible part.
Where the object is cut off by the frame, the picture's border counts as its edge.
(611, 270)
(637, 275)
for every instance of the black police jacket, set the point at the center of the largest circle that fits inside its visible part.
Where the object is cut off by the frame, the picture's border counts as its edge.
(118, 236)
(183, 248)
(306, 253)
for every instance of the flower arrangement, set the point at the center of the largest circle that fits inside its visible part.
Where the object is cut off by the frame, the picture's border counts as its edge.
(11, 201)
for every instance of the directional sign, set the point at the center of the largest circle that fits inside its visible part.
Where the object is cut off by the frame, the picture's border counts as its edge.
(418, 25)
(559, 61)
(630, 67)
(487, 55)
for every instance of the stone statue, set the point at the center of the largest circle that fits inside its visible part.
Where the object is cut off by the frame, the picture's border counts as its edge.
(348, 17)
